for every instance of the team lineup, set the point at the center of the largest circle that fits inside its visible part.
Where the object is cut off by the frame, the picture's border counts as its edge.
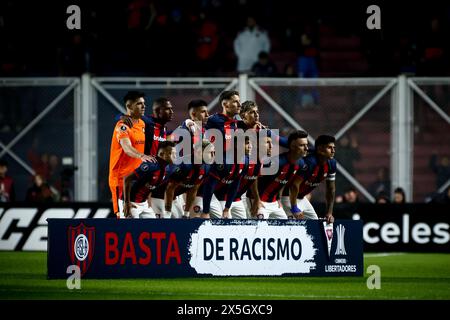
(226, 165)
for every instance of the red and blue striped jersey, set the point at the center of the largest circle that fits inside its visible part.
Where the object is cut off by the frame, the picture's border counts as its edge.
(230, 173)
(189, 175)
(146, 178)
(314, 174)
(249, 176)
(269, 186)
(223, 182)
(155, 132)
(226, 126)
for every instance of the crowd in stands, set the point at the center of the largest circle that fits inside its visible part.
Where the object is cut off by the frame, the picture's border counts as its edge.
(217, 37)
(50, 182)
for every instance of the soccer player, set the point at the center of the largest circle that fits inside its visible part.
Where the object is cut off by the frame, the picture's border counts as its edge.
(195, 127)
(139, 185)
(269, 186)
(223, 181)
(248, 184)
(198, 112)
(320, 165)
(127, 146)
(247, 180)
(183, 178)
(250, 116)
(155, 125)
(225, 122)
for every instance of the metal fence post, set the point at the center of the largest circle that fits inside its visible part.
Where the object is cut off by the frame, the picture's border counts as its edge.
(402, 138)
(86, 143)
(245, 90)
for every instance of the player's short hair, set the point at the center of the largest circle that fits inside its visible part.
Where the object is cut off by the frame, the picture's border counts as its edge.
(197, 103)
(225, 95)
(323, 140)
(166, 144)
(247, 106)
(3, 163)
(158, 103)
(133, 96)
(299, 134)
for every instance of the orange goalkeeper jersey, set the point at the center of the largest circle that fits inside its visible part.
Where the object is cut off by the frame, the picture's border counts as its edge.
(120, 164)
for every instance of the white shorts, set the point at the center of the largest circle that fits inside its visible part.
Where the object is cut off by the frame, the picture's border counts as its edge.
(158, 206)
(272, 210)
(142, 210)
(215, 208)
(303, 204)
(248, 206)
(237, 209)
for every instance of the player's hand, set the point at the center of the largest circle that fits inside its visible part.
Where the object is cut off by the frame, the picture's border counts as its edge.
(205, 215)
(256, 206)
(259, 125)
(167, 213)
(298, 214)
(226, 213)
(127, 120)
(148, 158)
(127, 209)
(329, 218)
(191, 125)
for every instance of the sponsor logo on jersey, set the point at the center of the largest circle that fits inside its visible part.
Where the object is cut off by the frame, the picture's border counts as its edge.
(150, 186)
(284, 181)
(158, 138)
(312, 184)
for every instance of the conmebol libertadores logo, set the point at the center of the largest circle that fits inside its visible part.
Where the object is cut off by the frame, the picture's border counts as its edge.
(340, 247)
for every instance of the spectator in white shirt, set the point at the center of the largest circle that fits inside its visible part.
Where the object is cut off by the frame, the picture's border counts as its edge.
(249, 43)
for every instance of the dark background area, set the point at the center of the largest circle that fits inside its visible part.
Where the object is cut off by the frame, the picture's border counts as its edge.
(160, 38)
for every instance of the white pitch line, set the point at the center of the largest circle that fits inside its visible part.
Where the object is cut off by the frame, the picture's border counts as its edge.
(224, 294)
(384, 254)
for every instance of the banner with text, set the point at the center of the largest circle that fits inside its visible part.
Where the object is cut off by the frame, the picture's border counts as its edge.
(107, 248)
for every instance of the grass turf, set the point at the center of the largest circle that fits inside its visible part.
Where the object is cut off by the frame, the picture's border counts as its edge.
(403, 276)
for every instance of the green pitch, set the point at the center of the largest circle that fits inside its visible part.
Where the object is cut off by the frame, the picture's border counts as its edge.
(403, 276)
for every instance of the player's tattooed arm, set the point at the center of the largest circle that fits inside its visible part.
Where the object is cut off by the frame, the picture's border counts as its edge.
(329, 197)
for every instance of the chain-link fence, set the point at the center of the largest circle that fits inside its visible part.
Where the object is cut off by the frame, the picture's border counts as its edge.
(431, 174)
(37, 137)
